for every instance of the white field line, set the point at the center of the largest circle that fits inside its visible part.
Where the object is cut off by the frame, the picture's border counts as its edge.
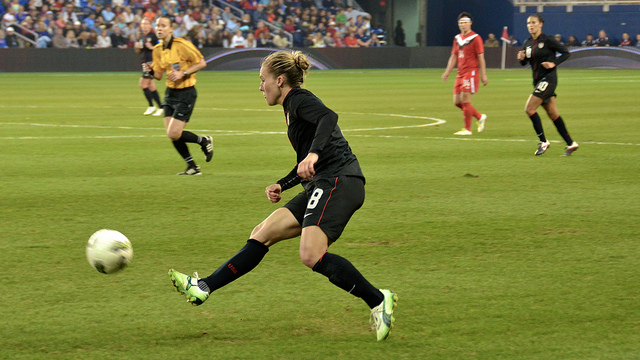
(433, 122)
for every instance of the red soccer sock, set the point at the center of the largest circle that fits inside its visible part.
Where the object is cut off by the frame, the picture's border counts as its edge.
(467, 111)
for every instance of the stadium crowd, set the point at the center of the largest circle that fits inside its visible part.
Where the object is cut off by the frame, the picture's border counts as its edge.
(115, 23)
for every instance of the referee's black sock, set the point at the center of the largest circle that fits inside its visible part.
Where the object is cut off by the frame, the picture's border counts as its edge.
(183, 150)
(241, 263)
(156, 97)
(537, 126)
(562, 129)
(188, 136)
(345, 276)
(147, 94)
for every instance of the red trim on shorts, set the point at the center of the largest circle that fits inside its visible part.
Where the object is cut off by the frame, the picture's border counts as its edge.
(325, 204)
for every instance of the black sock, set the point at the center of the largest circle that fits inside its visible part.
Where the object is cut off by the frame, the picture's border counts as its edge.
(147, 94)
(241, 263)
(156, 97)
(345, 276)
(183, 150)
(537, 126)
(189, 137)
(562, 129)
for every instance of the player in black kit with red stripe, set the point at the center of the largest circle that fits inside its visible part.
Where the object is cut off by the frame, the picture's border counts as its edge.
(540, 52)
(333, 190)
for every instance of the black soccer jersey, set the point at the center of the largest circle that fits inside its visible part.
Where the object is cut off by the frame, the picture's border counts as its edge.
(540, 50)
(313, 127)
(146, 54)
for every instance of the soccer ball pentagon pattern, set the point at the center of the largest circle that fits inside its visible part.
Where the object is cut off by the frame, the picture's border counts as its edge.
(109, 251)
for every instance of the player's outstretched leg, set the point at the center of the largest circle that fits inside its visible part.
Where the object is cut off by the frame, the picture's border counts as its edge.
(188, 286)
(382, 315)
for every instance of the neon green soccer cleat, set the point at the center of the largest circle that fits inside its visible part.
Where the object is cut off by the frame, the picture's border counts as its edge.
(188, 286)
(382, 315)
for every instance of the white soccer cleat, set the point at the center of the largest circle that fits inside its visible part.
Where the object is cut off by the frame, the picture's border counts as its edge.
(150, 110)
(159, 112)
(542, 148)
(481, 122)
(570, 149)
(463, 132)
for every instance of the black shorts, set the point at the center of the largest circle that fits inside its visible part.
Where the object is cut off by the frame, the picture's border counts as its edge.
(179, 103)
(146, 75)
(328, 203)
(545, 89)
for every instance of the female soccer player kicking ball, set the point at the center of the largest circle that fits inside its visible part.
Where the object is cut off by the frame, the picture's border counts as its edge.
(333, 190)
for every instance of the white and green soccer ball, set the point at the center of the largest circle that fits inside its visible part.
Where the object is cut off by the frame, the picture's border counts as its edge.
(109, 251)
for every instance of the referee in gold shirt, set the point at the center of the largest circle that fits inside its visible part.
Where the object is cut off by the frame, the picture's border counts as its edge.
(180, 60)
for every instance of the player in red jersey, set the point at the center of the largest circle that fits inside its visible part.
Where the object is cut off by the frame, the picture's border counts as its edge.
(468, 50)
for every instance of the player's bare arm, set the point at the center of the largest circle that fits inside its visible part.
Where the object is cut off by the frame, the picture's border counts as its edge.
(483, 69)
(450, 65)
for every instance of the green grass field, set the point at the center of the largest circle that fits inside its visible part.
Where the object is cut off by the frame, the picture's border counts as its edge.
(494, 253)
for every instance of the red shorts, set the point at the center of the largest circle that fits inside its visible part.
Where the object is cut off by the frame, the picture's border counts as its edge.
(467, 82)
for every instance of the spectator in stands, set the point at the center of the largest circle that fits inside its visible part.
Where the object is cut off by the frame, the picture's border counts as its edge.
(84, 40)
(603, 39)
(59, 41)
(104, 40)
(558, 38)
(250, 42)
(246, 21)
(350, 40)
(491, 41)
(9, 18)
(117, 39)
(226, 38)
(44, 36)
(375, 41)
(589, 41)
(351, 13)
(318, 40)
(213, 40)
(107, 13)
(626, 40)
(127, 15)
(572, 41)
(68, 15)
(398, 34)
(71, 40)
(262, 28)
(237, 41)
(90, 21)
(363, 39)
(259, 14)
(232, 25)
(280, 41)
(341, 18)
(637, 40)
(227, 15)
(12, 39)
(263, 42)
(3, 41)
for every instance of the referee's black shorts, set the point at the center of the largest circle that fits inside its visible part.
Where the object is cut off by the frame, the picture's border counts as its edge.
(179, 103)
(328, 203)
(545, 89)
